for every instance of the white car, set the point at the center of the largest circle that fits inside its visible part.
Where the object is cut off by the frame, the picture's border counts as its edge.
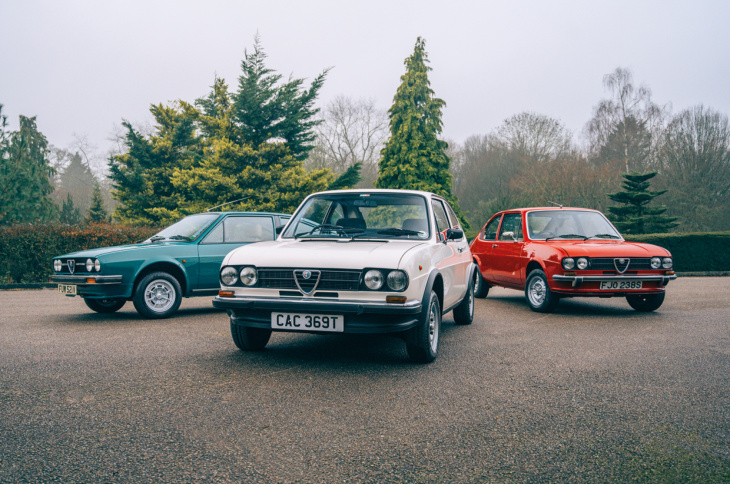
(354, 261)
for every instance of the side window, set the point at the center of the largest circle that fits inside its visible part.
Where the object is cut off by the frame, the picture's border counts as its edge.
(452, 215)
(490, 231)
(238, 230)
(511, 227)
(442, 222)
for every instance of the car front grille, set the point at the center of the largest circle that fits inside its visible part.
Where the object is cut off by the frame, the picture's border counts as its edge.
(329, 279)
(607, 264)
(79, 266)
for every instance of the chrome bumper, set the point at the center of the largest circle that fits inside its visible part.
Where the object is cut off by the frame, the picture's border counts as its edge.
(577, 281)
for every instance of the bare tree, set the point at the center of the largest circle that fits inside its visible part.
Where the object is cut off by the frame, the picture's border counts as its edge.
(629, 106)
(351, 132)
(536, 137)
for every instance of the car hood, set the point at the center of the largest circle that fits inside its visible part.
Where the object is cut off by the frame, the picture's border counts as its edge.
(95, 253)
(609, 248)
(356, 254)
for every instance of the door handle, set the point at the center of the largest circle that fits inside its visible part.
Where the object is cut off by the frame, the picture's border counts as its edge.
(494, 246)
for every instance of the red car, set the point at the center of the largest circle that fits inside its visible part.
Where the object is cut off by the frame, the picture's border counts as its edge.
(552, 253)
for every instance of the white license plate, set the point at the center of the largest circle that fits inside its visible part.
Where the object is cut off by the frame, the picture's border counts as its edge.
(67, 289)
(618, 285)
(308, 322)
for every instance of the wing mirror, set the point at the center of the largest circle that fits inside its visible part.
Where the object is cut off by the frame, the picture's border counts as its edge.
(454, 234)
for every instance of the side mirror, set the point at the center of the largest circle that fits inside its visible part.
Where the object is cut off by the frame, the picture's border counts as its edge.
(454, 234)
(509, 236)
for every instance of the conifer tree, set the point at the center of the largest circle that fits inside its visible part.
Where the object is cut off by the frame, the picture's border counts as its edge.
(634, 216)
(414, 157)
(97, 213)
(70, 215)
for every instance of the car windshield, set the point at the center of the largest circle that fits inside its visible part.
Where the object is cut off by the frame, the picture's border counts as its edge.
(569, 224)
(360, 216)
(188, 228)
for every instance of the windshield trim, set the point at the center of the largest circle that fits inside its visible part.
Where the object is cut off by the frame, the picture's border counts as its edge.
(528, 232)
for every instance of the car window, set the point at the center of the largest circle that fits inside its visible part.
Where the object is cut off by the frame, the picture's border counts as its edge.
(442, 221)
(237, 230)
(511, 228)
(490, 231)
(452, 215)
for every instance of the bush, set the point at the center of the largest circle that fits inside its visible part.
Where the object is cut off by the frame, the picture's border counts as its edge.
(698, 252)
(26, 250)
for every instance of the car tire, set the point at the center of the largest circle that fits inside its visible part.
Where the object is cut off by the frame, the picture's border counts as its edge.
(464, 312)
(538, 294)
(645, 302)
(422, 341)
(250, 339)
(158, 295)
(481, 288)
(106, 305)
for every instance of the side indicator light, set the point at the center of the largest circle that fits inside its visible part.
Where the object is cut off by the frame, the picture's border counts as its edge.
(225, 293)
(395, 299)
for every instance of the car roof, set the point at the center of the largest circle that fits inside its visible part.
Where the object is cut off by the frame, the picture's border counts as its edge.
(530, 209)
(229, 212)
(380, 190)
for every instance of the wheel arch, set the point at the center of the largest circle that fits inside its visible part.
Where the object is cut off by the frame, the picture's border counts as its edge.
(164, 266)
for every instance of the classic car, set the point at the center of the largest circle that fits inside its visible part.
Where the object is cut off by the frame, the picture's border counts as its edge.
(182, 260)
(556, 252)
(354, 261)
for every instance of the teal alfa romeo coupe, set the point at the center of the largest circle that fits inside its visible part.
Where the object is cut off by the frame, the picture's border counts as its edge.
(182, 260)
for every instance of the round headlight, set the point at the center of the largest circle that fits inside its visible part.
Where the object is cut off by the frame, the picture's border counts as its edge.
(97, 265)
(249, 276)
(229, 276)
(374, 279)
(568, 263)
(656, 262)
(57, 265)
(89, 265)
(582, 263)
(397, 280)
(667, 263)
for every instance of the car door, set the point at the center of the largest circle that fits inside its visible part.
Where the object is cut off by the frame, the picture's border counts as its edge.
(508, 249)
(484, 247)
(231, 232)
(454, 255)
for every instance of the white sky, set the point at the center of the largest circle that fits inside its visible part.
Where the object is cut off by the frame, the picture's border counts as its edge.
(83, 66)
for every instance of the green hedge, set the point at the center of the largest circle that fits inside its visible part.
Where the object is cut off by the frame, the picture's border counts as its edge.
(699, 252)
(26, 250)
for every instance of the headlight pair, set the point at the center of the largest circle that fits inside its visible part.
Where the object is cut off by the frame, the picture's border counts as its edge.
(247, 275)
(375, 280)
(657, 262)
(580, 263)
(91, 265)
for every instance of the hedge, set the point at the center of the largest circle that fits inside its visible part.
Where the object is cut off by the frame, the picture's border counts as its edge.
(26, 250)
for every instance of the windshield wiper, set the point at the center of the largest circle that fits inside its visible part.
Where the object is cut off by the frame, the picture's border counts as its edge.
(180, 237)
(568, 236)
(604, 236)
(389, 231)
(156, 238)
(337, 229)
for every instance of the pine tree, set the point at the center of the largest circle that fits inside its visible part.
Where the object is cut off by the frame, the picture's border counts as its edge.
(634, 216)
(414, 158)
(75, 178)
(97, 213)
(348, 179)
(25, 177)
(70, 215)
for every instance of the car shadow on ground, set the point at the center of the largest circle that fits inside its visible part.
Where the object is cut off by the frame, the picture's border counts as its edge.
(129, 314)
(588, 306)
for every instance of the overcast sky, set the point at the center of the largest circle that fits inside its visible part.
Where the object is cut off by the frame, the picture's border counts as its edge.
(84, 66)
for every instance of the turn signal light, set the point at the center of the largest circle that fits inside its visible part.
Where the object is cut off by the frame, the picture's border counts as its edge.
(395, 299)
(225, 293)
(569, 273)
(91, 280)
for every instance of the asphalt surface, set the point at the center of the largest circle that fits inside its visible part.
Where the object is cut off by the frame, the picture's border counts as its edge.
(592, 393)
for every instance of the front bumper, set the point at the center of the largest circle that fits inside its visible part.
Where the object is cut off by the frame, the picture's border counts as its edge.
(360, 317)
(101, 287)
(577, 281)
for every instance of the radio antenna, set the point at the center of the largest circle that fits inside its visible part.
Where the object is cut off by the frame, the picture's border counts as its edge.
(559, 205)
(228, 203)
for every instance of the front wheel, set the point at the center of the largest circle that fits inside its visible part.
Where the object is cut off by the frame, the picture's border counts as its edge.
(422, 342)
(106, 305)
(158, 295)
(645, 302)
(538, 294)
(250, 339)
(464, 312)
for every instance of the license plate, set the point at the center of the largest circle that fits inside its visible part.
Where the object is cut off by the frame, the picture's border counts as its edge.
(67, 289)
(618, 285)
(308, 322)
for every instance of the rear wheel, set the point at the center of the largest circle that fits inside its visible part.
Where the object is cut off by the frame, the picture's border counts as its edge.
(158, 295)
(538, 294)
(105, 306)
(422, 342)
(464, 312)
(250, 339)
(645, 302)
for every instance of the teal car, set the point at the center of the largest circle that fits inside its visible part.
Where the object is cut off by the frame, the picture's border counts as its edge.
(182, 260)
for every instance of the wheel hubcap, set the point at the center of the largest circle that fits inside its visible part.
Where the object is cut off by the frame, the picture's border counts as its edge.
(433, 333)
(537, 291)
(159, 296)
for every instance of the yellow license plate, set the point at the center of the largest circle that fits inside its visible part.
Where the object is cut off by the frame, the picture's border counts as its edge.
(67, 289)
